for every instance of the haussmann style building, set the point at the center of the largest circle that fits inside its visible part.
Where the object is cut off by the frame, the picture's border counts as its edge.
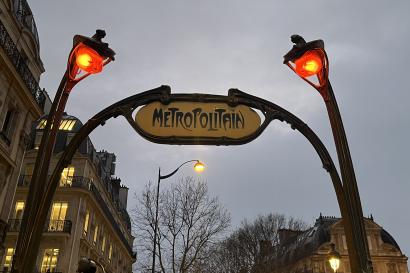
(307, 251)
(88, 217)
(21, 99)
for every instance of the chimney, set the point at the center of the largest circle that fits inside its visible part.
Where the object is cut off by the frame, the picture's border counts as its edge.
(123, 194)
(285, 235)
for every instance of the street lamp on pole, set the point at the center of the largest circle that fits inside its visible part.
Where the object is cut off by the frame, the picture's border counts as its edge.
(198, 167)
(334, 258)
(87, 56)
(309, 60)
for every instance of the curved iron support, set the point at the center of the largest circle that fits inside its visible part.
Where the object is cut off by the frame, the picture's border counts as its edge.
(270, 110)
(174, 172)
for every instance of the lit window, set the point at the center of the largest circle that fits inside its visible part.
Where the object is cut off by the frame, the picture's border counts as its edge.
(49, 260)
(19, 210)
(42, 124)
(65, 124)
(103, 244)
(67, 176)
(86, 221)
(110, 252)
(8, 258)
(58, 213)
(95, 234)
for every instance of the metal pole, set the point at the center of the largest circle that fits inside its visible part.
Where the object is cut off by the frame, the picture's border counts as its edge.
(349, 178)
(156, 222)
(39, 178)
(359, 255)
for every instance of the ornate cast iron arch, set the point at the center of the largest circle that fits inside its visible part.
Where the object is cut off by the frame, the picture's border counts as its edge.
(163, 94)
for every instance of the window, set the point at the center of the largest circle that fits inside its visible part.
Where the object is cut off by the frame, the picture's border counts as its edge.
(70, 136)
(103, 244)
(50, 258)
(369, 242)
(58, 213)
(7, 128)
(344, 242)
(28, 174)
(67, 176)
(95, 234)
(42, 124)
(8, 258)
(110, 252)
(391, 268)
(65, 124)
(19, 210)
(37, 140)
(29, 170)
(86, 222)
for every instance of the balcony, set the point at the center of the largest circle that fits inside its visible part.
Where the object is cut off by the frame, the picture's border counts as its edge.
(25, 17)
(7, 270)
(70, 181)
(21, 67)
(62, 226)
(3, 230)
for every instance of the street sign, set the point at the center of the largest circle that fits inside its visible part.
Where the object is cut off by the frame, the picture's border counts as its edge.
(196, 120)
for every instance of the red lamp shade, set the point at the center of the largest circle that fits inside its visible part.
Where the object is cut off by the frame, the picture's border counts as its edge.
(309, 64)
(88, 60)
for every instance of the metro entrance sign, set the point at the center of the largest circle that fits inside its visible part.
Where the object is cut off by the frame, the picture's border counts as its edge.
(191, 121)
(234, 122)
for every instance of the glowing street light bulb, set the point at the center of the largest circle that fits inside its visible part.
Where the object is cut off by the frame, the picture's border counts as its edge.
(309, 64)
(334, 263)
(88, 60)
(334, 258)
(199, 167)
(84, 61)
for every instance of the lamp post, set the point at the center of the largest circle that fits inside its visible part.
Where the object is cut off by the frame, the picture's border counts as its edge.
(87, 56)
(309, 60)
(334, 258)
(198, 167)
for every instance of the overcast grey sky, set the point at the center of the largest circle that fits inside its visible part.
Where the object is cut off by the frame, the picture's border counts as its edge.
(211, 46)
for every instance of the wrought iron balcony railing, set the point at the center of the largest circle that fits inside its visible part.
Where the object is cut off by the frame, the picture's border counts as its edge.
(25, 17)
(8, 270)
(21, 67)
(68, 181)
(63, 226)
(3, 229)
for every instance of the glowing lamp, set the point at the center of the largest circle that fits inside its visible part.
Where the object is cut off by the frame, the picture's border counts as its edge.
(309, 64)
(334, 263)
(334, 258)
(89, 60)
(199, 167)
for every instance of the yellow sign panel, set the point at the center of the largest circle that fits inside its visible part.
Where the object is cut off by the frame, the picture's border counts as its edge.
(197, 119)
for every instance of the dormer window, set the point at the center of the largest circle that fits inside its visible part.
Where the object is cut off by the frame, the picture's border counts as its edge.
(65, 124)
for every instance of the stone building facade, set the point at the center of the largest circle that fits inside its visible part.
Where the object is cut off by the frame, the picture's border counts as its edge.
(307, 251)
(21, 99)
(88, 217)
